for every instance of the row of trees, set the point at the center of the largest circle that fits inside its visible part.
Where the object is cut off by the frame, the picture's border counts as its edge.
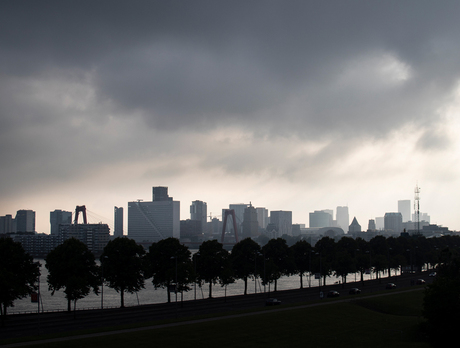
(125, 266)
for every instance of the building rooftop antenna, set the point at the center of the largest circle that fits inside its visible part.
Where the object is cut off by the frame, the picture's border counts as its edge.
(417, 207)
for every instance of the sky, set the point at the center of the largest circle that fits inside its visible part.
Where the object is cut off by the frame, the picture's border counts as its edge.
(287, 105)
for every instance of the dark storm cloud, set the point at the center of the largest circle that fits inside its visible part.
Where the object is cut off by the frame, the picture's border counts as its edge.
(198, 64)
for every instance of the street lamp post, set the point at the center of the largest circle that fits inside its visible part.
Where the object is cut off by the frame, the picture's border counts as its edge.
(102, 276)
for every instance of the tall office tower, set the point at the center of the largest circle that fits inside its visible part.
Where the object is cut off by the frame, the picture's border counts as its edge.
(25, 221)
(250, 223)
(262, 217)
(354, 226)
(118, 219)
(404, 209)
(59, 217)
(152, 221)
(380, 223)
(199, 212)
(283, 221)
(321, 218)
(160, 193)
(393, 222)
(371, 226)
(6, 224)
(343, 219)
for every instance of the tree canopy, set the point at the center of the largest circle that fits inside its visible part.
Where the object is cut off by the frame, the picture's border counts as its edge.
(72, 267)
(18, 274)
(213, 264)
(169, 262)
(122, 265)
(244, 257)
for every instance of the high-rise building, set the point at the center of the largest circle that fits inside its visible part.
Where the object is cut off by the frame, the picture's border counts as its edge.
(343, 219)
(199, 212)
(380, 223)
(393, 222)
(118, 219)
(283, 221)
(321, 218)
(354, 226)
(160, 193)
(152, 221)
(250, 223)
(262, 217)
(404, 209)
(6, 224)
(371, 226)
(59, 217)
(25, 221)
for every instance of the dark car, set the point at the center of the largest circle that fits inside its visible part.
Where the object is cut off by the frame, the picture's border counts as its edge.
(333, 293)
(390, 286)
(272, 302)
(354, 291)
(420, 282)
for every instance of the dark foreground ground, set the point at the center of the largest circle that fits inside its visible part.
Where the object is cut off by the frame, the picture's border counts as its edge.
(23, 325)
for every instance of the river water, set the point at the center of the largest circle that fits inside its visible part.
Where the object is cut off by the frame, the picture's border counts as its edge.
(150, 295)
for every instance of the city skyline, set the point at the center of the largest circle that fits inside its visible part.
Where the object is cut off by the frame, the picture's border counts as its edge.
(295, 106)
(94, 217)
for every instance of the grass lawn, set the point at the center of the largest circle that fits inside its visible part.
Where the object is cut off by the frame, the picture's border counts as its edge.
(374, 322)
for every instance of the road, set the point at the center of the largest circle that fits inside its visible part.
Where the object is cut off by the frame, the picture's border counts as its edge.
(23, 325)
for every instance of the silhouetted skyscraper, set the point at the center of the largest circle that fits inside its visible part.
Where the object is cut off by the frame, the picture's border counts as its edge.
(250, 223)
(404, 209)
(152, 221)
(25, 221)
(59, 217)
(199, 212)
(393, 222)
(343, 219)
(283, 221)
(354, 226)
(118, 217)
(321, 218)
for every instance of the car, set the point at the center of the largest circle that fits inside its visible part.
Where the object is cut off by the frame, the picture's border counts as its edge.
(354, 291)
(333, 293)
(432, 274)
(420, 281)
(390, 286)
(272, 302)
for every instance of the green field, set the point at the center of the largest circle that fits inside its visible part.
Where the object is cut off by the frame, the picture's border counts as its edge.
(377, 322)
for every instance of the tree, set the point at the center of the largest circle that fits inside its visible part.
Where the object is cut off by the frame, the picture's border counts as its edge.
(122, 266)
(211, 263)
(72, 267)
(244, 258)
(326, 249)
(279, 260)
(301, 251)
(441, 304)
(345, 260)
(18, 274)
(169, 263)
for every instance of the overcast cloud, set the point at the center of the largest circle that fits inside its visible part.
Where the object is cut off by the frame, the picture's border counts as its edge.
(292, 105)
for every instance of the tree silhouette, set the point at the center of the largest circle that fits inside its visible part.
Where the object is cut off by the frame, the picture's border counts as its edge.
(169, 263)
(72, 267)
(18, 274)
(244, 257)
(123, 266)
